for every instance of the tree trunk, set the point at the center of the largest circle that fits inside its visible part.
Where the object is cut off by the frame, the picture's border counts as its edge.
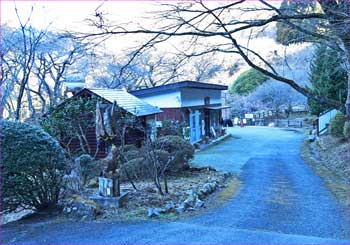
(130, 179)
(347, 103)
(116, 186)
(166, 185)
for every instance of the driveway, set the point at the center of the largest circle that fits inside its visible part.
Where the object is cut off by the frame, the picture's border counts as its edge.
(281, 201)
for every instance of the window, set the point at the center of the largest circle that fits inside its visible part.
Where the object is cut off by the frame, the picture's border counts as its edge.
(207, 100)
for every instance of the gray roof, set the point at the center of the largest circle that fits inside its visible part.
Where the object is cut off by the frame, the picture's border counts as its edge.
(127, 101)
(178, 85)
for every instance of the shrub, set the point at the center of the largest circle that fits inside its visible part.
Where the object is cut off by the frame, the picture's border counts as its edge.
(171, 128)
(177, 147)
(346, 131)
(130, 148)
(336, 125)
(136, 168)
(129, 155)
(32, 167)
(89, 168)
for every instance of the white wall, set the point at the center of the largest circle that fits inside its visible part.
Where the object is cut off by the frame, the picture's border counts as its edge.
(324, 120)
(195, 96)
(164, 100)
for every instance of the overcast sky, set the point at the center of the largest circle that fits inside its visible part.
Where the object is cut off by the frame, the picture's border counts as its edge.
(71, 14)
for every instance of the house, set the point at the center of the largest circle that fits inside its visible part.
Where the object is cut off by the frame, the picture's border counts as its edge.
(198, 104)
(128, 103)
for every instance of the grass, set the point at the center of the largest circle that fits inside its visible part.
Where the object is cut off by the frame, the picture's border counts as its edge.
(333, 180)
(230, 191)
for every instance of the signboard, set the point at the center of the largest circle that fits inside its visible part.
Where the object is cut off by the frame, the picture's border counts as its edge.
(249, 116)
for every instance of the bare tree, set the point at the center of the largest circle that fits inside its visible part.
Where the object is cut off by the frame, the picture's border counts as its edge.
(276, 96)
(145, 71)
(34, 65)
(214, 28)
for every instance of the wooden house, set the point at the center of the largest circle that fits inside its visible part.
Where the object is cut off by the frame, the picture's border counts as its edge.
(126, 102)
(198, 104)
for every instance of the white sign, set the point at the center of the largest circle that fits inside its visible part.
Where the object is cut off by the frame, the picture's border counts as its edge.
(249, 116)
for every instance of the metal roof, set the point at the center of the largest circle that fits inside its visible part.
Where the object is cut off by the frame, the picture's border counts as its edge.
(217, 107)
(126, 101)
(173, 86)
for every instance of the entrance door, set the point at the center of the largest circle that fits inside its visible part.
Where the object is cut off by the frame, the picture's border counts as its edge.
(195, 126)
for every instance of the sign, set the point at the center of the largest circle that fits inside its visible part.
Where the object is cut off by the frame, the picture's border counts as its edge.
(249, 116)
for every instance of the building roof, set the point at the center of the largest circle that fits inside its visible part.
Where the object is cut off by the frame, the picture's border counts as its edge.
(174, 86)
(126, 101)
(217, 107)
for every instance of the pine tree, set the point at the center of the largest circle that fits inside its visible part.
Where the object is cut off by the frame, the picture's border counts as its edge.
(328, 77)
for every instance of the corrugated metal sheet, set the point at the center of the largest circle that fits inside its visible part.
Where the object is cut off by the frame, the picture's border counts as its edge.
(127, 101)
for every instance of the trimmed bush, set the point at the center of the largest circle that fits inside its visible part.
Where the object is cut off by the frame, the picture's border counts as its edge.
(177, 147)
(89, 168)
(129, 155)
(32, 167)
(336, 125)
(346, 131)
(137, 169)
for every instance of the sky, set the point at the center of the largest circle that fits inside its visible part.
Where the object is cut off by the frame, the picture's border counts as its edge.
(72, 15)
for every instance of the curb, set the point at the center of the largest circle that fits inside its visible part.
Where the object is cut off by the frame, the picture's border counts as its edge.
(214, 142)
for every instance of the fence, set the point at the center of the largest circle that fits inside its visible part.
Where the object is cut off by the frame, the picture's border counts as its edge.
(282, 123)
(324, 119)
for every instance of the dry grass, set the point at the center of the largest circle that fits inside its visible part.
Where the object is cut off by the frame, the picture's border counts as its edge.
(330, 159)
(230, 190)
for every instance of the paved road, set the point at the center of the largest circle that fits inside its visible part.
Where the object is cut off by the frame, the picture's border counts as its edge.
(281, 202)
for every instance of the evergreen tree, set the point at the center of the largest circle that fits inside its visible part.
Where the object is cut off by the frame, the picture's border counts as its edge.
(286, 34)
(247, 82)
(328, 77)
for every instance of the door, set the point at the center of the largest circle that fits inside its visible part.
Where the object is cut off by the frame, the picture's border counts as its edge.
(195, 126)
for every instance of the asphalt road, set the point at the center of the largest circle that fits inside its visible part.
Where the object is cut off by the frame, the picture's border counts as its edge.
(281, 201)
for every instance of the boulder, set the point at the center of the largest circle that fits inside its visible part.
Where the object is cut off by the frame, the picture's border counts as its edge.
(199, 203)
(152, 213)
(180, 209)
(169, 207)
(78, 206)
(190, 201)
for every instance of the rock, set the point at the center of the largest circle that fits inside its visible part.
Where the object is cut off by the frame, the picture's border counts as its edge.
(79, 207)
(207, 188)
(170, 206)
(199, 203)
(201, 194)
(191, 192)
(152, 213)
(161, 210)
(180, 209)
(213, 185)
(226, 174)
(84, 218)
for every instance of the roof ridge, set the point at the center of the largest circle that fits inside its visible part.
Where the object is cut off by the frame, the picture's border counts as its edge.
(107, 89)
